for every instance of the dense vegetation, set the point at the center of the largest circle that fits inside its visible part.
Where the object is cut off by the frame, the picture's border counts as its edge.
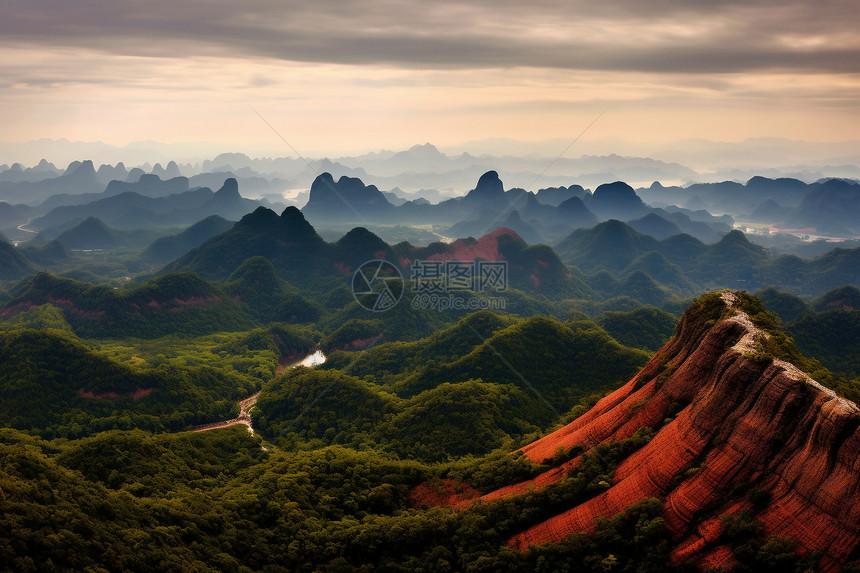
(55, 384)
(647, 327)
(214, 501)
(100, 376)
(827, 328)
(484, 383)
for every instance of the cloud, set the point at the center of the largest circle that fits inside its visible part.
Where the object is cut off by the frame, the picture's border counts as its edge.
(674, 36)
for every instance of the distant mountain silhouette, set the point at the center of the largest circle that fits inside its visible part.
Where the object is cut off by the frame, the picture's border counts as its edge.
(107, 173)
(165, 249)
(610, 245)
(130, 210)
(13, 264)
(526, 231)
(491, 219)
(528, 206)
(830, 207)
(90, 234)
(18, 173)
(288, 241)
(655, 225)
(226, 198)
(149, 185)
(574, 212)
(396, 199)
(169, 172)
(699, 224)
(769, 211)
(687, 263)
(419, 158)
(784, 190)
(300, 255)
(555, 196)
(530, 268)
(517, 209)
(475, 227)
(79, 177)
(348, 199)
(13, 215)
(616, 201)
(251, 184)
(488, 206)
(488, 189)
(737, 199)
(48, 254)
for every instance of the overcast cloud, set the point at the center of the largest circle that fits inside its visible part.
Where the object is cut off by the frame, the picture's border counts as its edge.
(678, 36)
(358, 76)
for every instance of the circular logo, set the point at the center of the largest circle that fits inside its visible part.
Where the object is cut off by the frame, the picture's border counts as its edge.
(377, 285)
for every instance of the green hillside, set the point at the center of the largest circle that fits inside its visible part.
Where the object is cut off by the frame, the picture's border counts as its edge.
(484, 383)
(54, 384)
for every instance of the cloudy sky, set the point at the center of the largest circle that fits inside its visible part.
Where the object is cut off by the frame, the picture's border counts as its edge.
(340, 76)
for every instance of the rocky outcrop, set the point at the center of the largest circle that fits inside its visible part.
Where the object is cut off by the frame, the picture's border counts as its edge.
(616, 201)
(348, 199)
(489, 188)
(744, 419)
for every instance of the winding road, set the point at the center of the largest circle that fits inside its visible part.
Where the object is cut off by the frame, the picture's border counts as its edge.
(246, 405)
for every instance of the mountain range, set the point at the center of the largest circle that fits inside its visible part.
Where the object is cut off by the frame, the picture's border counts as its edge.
(825, 208)
(134, 210)
(740, 433)
(701, 209)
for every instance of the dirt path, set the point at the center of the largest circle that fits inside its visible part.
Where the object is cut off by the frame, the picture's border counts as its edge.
(244, 417)
(246, 405)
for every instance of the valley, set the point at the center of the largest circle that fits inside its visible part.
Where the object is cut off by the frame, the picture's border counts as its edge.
(429, 287)
(195, 380)
(246, 405)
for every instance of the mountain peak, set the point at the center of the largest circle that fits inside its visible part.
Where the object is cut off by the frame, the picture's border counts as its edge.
(292, 215)
(348, 199)
(295, 228)
(717, 392)
(426, 149)
(230, 189)
(359, 234)
(81, 170)
(261, 217)
(489, 187)
(92, 233)
(735, 237)
(616, 200)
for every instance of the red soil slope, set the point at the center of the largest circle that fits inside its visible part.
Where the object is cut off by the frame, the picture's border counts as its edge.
(745, 421)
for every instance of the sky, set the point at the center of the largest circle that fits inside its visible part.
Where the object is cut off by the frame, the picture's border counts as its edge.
(338, 77)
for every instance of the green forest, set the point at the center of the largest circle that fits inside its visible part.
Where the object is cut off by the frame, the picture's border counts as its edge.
(101, 385)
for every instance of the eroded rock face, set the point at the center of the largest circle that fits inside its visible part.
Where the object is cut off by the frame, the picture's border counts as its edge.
(743, 421)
